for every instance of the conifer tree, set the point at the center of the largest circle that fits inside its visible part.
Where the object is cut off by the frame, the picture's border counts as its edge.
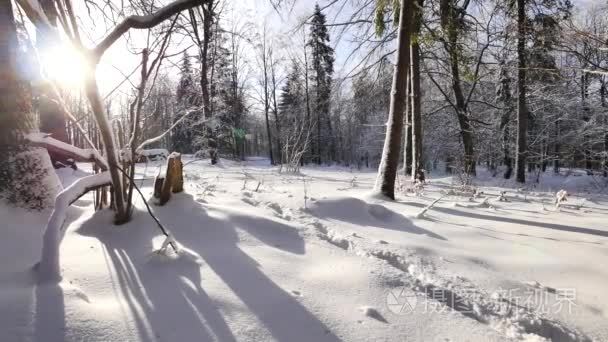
(322, 55)
(181, 137)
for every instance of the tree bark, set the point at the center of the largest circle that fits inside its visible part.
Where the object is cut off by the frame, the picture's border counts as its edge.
(387, 171)
(407, 131)
(522, 112)
(416, 95)
(173, 181)
(266, 96)
(121, 216)
(135, 125)
(450, 22)
(27, 178)
(207, 7)
(604, 105)
(275, 110)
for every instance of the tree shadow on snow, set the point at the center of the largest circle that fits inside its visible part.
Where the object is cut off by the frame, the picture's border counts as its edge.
(358, 212)
(169, 299)
(539, 224)
(50, 313)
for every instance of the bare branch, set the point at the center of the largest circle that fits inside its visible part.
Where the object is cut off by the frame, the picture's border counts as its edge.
(143, 22)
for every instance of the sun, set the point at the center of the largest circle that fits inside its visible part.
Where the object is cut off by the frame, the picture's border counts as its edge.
(64, 64)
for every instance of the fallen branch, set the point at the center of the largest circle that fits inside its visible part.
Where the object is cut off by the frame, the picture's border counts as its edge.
(421, 213)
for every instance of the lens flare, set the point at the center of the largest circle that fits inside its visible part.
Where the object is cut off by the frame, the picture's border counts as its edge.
(64, 64)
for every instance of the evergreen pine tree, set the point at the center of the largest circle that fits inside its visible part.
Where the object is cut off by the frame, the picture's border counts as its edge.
(322, 70)
(181, 137)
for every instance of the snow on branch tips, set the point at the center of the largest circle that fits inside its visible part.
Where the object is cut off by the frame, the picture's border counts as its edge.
(49, 268)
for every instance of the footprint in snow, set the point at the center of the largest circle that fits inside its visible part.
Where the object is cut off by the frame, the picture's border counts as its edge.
(276, 207)
(373, 313)
(249, 201)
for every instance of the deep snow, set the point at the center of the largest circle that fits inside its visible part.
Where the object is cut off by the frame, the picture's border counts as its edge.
(312, 257)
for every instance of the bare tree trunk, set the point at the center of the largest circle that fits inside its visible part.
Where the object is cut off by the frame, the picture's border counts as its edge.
(507, 152)
(522, 111)
(603, 103)
(26, 175)
(204, 52)
(416, 94)
(135, 124)
(266, 95)
(407, 131)
(275, 110)
(92, 92)
(387, 171)
(587, 145)
(451, 19)
(307, 90)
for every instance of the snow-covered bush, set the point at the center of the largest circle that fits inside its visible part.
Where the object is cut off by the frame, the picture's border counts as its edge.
(27, 178)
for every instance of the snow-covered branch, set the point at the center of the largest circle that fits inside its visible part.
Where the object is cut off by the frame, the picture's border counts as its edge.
(70, 151)
(49, 268)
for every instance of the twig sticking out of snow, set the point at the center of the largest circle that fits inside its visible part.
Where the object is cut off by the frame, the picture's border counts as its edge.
(160, 225)
(169, 241)
(477, 193)
(305, 194)
(258, 187)
(560, 197)
(418, 188)
(503, 197)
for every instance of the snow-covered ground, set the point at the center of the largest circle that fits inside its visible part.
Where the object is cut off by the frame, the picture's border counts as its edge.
(312, 257)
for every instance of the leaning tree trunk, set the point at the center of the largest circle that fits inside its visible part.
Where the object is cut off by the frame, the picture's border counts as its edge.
(121, 216)
(27, 177)
(387, 171)
(522, 112)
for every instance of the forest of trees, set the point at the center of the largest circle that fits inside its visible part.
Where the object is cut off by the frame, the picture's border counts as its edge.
(516, 86)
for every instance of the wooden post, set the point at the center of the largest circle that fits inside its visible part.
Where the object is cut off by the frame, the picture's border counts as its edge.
(173, 181)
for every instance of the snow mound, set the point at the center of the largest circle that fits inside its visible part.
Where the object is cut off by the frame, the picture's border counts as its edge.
(359, 212)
